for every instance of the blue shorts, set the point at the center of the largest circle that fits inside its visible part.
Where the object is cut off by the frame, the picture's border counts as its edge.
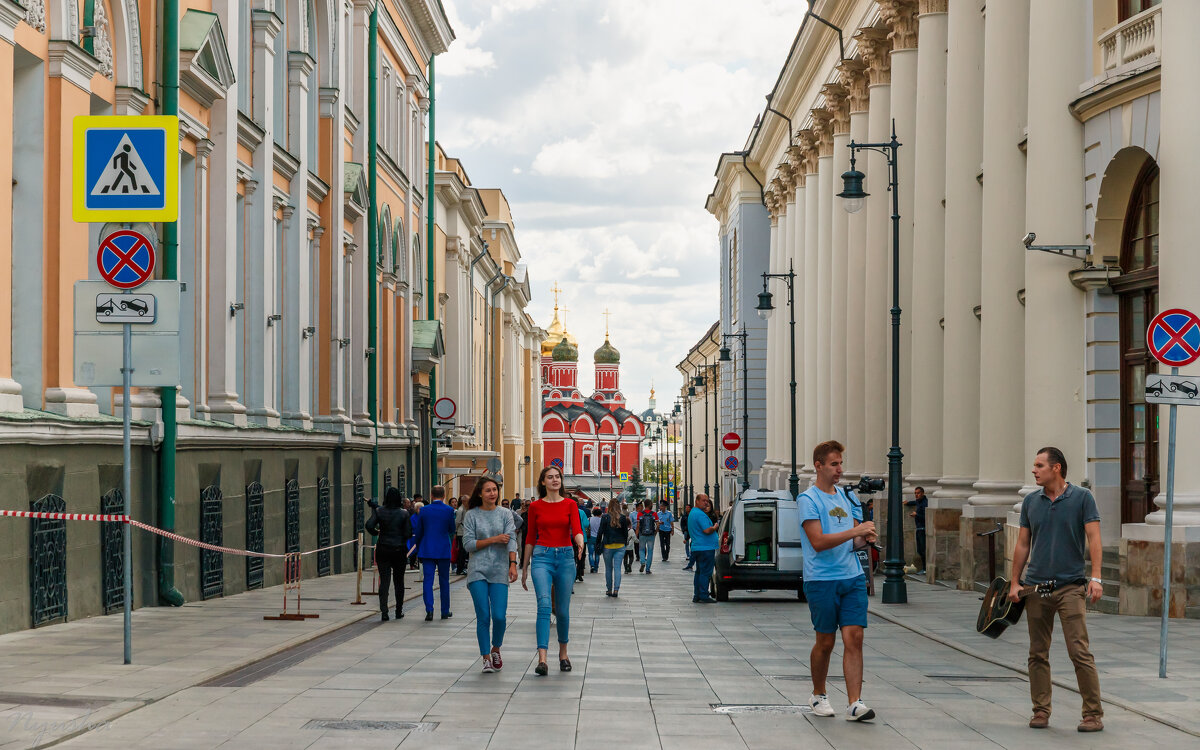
(836, 604)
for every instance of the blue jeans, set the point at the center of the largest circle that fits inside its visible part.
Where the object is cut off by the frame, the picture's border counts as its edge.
(705, 558)
(443, 572)
(491, 603)
(612, 568)
(593, 553)
(553, 566)
(647, 542)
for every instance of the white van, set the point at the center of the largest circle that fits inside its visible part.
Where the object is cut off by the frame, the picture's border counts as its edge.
(759, 545)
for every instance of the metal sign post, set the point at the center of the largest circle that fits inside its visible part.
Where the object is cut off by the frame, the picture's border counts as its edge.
(127, 482)
(1173, 337)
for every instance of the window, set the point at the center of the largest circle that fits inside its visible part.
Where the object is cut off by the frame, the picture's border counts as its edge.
(1129, 8)
(604, 463)
(587, 463)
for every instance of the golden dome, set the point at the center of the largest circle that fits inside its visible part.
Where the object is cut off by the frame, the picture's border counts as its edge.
(555, 334)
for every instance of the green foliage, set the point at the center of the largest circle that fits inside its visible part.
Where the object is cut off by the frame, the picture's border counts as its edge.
(636, 490)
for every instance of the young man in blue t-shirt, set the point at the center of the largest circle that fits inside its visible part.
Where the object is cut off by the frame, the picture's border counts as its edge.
(834, 581)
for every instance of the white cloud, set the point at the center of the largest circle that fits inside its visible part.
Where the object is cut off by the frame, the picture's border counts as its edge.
(603, 123)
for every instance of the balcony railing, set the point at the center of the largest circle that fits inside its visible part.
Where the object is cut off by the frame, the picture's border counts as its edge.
(1136, 38)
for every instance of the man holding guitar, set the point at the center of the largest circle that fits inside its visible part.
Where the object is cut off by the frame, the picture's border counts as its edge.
(1059, 521)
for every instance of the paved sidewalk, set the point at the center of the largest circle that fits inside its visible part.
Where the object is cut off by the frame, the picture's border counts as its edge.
(651, 670)
(61, 678)
(1125, 648)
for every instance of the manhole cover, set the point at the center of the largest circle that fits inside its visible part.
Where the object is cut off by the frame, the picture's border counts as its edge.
(371, 726)
(758, 708)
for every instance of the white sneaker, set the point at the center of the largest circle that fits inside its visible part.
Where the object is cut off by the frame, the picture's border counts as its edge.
(488, 667)
(820, 705)
(858, 711)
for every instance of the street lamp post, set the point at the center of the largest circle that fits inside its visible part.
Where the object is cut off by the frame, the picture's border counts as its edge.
(691, 442)
(700, 380)
(716, 454)
(765, 308)
(725, 357)
(895, 590)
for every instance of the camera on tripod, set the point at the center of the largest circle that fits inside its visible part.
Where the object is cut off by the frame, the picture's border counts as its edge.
(866, 486)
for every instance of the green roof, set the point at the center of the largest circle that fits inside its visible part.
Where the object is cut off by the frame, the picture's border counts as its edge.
(194, 28)
(427, 334)
(352, 171)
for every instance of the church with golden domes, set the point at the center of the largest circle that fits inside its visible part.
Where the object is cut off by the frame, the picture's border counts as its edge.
(595, 438)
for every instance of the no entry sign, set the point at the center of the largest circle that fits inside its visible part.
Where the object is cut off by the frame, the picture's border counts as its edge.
(125, 259)
(732, 441)
(1174, 337)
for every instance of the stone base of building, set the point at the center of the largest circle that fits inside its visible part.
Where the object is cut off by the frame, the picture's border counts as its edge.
(1142, 570)
(943, 561)
(974, 567)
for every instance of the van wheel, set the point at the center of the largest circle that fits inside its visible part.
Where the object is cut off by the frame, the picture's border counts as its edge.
(720, 593)
(800, 595)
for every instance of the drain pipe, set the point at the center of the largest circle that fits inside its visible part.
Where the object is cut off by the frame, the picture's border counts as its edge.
(430, 282)
(167, 593)
(488, 372)
(373, 242)
(471, 295)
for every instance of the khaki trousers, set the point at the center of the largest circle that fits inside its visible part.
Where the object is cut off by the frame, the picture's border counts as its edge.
(1068, 603)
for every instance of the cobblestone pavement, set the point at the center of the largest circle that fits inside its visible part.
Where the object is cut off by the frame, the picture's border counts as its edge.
(651, 670)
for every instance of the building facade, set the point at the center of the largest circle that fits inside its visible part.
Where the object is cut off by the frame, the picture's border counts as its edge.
(700, 396)
(593, 439)
(1014, 118)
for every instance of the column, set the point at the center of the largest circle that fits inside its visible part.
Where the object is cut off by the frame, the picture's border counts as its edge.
(296, 267)
(773, 388)
(10, 390)
(876, 52)
(853, 74)
(838, 103)
(220, 394)
(261, 241)
(823, 128)
(924, 450)
(1178, 263)
(1002, 462)
(1059, 58)
(806, 297)
(794, 260)
(329, 409)
(901, 18)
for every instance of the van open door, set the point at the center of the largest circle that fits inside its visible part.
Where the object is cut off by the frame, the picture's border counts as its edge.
(754, 532)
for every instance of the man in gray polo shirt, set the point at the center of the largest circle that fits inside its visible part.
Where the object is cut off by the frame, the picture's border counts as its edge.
(1059, 523)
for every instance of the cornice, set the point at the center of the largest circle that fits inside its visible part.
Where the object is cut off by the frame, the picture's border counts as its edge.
(285, 163)
(11, 14)
(69, 62)
(249, 134)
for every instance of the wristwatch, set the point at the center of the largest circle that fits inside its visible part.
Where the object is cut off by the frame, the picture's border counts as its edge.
(1097, 580)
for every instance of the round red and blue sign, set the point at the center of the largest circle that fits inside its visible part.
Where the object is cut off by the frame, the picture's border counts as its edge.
(731, 463)
(126, 259)
(1174, 337)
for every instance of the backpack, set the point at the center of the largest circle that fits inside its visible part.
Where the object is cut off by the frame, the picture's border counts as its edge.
(646, 524)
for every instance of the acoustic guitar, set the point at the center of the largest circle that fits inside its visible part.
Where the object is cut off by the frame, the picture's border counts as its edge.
(997, 612)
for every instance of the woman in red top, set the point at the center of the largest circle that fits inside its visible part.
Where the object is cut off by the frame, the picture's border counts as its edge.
(553, 543)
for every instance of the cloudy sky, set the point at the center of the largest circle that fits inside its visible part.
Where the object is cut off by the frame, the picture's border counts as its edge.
(602, 122)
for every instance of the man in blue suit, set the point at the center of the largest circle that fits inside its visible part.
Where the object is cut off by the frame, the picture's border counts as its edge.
(433, 528)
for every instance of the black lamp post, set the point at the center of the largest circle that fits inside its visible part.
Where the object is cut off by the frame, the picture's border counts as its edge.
(765, 308)
(658, 433)
(895, 590)
(701, 380)
(725, 357)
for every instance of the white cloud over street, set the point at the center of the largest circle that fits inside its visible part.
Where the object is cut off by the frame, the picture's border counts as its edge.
(603, 122)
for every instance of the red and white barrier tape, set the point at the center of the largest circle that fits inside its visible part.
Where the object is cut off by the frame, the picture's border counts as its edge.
(155, 530)
(63, 516)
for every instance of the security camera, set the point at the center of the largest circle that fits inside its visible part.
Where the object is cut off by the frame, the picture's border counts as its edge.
(1028, 239)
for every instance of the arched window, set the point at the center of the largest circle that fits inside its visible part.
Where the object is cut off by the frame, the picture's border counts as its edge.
(385, 237)
(1129, 8)
(1137, 289)
(400, 261)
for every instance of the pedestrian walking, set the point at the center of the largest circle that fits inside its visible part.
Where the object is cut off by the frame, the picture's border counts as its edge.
(647, 535)
(919, 503)
(519, 514)
(414, 558)
(1059, 523)
(666, 529)
(393, 525)
(460, 554)
(553, 534)
(432, 535)
(490, 537)
(834, 581)
(593, 531)
(583, 524)
(687, 536)
(612, 537)
(703, 532)
(631, 544)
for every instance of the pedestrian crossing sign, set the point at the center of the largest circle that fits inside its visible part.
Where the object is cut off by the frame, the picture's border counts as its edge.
(126, 169)
(624, 476)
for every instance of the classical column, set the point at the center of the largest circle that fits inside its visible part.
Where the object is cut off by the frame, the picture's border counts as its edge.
(901, 18)
(774, 388)
(296, 265)
(876, 51)
(838, 103)
(221, 392)
(823, 128)
(1179, 264)
(329, 410)
(853, 75)
(806, 244)
(924, 450)
(794, 259)
(1059, 58)
(10, 390)
(260, 235)
(1002, 460)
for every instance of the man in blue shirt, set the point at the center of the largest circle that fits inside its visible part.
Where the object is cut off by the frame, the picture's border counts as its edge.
(666, 527)
(703, 532)
(433, 528)
(834, 582)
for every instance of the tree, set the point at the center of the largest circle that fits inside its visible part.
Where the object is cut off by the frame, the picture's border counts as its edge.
(636, 490)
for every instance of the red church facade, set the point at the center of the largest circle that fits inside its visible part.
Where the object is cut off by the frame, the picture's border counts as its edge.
(594, 438)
